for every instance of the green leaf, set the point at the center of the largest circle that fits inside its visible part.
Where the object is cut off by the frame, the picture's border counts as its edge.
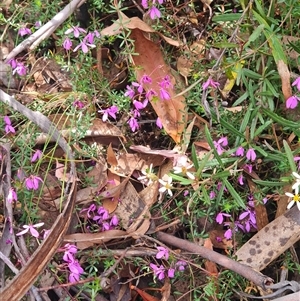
(195, 157)
(203, 163)
(262, 128)
(227, 17)
(234, 194)
(211, 144)
(268, 183)
(255, 34)
(225, 45)
(290, 156)
(182, 180)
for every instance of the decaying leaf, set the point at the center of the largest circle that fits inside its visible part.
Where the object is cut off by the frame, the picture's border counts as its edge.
(271, 241)
(150, 61)
(285, 76)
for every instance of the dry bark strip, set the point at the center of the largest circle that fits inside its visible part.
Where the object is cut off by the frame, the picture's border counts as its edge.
(256, 277)
(21, 283)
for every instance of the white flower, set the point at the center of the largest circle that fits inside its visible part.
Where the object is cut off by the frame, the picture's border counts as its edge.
(183, 166)
(297, 183)
(166, 185)
(148, 176)
(295, 198)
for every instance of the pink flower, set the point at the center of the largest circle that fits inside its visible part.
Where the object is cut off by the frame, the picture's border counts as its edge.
(76, 31)
(31, 229)
(12, 195)
(37, 24)
(129, 92)
(8, 127)
(166, 82)
(164, 94)
(171, 273)
(158, 271)
(159, 123)
(23, 31)
(292, 102)
(144, 4)
(70, 250)
(240, 180)
(67, 44)
(251, 155)
(162, 253)
(210, 83)
(297, 83)
(146, 79)
(180, 264)
(154, 13)
(114, 221)
(78, 104)
(32, 182)
(84, 47)
(249, 167)
(111, 111)
(37, 155)
(150, 94)
(212, 195)
(89, 37)
(133, 124)
(139, 87)
(240, 151)
(20, 69)
(220, 217)
(76, 270)
(228, 234)
(138, 105)
(220, 143)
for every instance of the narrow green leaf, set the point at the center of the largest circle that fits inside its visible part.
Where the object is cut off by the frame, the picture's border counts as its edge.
(203, 163)
(234, 194)
(262, 128)
(225, 45)
(182, 180)
(195, 157)
(211, 144)
(281, 120)
(289, 156)
(255, 34)
(269, 183)
(227, 17)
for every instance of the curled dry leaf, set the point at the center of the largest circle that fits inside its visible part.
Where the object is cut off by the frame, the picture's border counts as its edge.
(133, 23)
(285, 76)
(150, 61)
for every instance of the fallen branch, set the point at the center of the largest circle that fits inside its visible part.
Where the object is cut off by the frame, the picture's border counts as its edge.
(46, 30)
(241, 269)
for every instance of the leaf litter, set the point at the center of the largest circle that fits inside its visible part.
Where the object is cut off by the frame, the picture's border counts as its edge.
(115, 174)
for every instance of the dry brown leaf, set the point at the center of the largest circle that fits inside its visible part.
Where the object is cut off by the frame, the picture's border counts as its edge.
(111, 157)
(111, 204)
(210, 266)
(161, 152)
(130, 206)
(271, 241)
(133, 23)
(150, 61)
(285, 76)
(60, 172)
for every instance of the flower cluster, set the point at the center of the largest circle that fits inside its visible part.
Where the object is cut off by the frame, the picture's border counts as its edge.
(153, 12)
(86, 43)
(292, 102)
(8, 127)
(136, 91)
(99, 218)
(246, 220)
(73, 265)
(18, 67)
(160, 271)
(294, 198)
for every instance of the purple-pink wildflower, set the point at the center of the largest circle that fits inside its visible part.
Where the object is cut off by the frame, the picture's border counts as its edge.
(31, 229)
(164, 94)
(133, 124)
(78, 104)
(297, 83)
(23, 31)
(159, 123)
(67, 43)
(240, 151)
(146, 79)
(292, 102)
(111, 111)
(212, 195)
(171, 272)
(8, 127)
(129, 92)
(220, 144)
(76, 270)
(76, 31)
(159, 272)
(228, 234)
(12, 195)
(162, 253)
(36, 156)
(154, 13)
(210, 83)
(220, 217)
(32, 182)
(251, 155)
(84, 46)
(241, 179)
(37, 24)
